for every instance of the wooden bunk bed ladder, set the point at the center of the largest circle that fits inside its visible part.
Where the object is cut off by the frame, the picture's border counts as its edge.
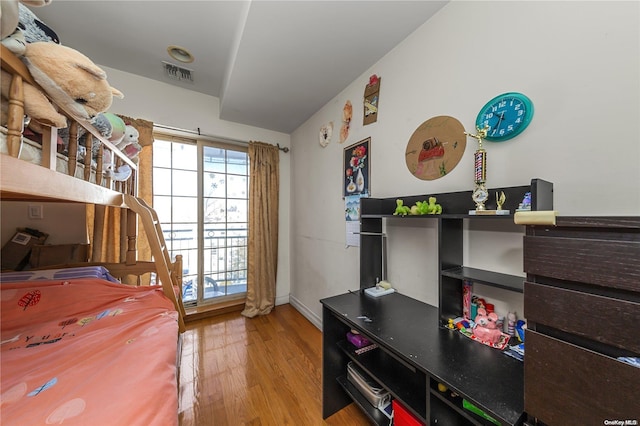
(161, 258)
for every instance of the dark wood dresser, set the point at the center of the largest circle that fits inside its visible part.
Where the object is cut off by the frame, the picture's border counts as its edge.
(582, 304)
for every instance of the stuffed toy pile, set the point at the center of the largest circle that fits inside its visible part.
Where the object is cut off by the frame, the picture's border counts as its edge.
(69, 79)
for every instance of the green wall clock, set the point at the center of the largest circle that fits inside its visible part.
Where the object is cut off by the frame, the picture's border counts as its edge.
(505, 116)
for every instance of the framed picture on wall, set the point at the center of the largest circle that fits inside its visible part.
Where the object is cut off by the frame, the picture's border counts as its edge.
(356, 171)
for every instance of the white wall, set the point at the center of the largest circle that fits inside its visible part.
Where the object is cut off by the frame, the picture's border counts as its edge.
(65, 223)
(577, 61)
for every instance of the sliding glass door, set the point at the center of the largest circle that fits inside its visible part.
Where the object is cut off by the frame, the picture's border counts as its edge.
(200, 193)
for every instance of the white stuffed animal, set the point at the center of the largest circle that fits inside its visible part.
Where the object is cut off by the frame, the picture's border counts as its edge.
(19, 26)
(129, 143)
(131, 135)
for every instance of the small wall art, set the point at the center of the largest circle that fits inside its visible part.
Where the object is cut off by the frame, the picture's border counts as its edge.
(435, 148)
(356, 171)
(371, 98)
(347, 114)
(325, 134)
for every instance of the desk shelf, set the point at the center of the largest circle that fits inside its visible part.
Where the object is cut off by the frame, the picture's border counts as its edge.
(493, 279)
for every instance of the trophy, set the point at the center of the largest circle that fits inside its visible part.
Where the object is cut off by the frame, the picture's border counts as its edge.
(480, 193)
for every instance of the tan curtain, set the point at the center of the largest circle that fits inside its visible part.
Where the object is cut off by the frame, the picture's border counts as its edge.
(264, 186)
(108, 219)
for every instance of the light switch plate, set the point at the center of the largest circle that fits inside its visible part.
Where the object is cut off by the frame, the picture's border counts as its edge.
(36, 211)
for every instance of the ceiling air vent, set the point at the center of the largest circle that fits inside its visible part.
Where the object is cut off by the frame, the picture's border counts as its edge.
(174, 72)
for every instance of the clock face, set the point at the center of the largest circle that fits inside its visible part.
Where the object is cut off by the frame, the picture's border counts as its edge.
(506, 116)
(480, 195)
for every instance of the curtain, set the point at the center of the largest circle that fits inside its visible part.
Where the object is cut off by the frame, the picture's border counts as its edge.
(264, 185)
(104, 223)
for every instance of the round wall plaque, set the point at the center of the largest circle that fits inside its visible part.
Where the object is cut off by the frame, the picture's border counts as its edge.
(435, 148)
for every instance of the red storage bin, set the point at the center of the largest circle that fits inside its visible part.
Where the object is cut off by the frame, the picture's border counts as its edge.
(402, 417)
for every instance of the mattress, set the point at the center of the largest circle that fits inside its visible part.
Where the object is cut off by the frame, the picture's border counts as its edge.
(31, 151)
(87, 352)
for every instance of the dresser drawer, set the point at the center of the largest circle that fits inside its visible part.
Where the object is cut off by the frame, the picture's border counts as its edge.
(569, 385)
(603, 319)
(613, 264)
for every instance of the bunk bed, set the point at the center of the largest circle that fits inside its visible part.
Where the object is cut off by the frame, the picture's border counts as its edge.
(85, 343)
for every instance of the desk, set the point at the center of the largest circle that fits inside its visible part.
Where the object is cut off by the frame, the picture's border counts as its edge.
(414, 355)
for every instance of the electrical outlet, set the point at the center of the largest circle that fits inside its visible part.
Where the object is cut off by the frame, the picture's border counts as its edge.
(36, 211)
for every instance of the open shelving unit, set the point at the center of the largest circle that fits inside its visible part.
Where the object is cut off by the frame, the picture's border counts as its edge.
(456, 207)
(415, 351)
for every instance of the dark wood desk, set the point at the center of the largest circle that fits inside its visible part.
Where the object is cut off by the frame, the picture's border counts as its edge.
(416, 354)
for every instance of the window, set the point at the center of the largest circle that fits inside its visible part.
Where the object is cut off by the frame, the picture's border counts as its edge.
(201, 196)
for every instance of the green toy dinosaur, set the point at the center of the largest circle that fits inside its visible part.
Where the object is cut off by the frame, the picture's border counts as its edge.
(401, 209)
(432, 207)
(419, 208)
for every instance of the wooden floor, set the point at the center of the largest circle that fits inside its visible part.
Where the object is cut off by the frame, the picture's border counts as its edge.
(261, 371)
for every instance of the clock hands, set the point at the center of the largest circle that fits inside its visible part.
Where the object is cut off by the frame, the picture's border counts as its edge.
(497, 126)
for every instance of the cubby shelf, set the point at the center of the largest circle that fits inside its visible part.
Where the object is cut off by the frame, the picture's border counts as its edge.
(400, 379)
(494, 279)
(373, 413)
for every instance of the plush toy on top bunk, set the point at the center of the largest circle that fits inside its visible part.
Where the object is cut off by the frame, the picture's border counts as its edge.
(69, 78)
(19, 26)
(123, 136)
(129, 144)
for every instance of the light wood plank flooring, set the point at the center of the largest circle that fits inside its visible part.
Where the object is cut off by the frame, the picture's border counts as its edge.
(261, 371)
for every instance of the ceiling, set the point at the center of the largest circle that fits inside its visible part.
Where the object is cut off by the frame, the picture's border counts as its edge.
(272, 63)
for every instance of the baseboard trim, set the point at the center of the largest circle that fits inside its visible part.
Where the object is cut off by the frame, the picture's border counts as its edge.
(306, 312)
(195, 314)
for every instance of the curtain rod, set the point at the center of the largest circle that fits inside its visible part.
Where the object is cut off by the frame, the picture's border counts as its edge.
(222, 139)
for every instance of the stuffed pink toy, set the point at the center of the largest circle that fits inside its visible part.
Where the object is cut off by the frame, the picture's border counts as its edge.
(486, 328)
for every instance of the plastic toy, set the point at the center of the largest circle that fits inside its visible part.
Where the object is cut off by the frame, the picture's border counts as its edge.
(526, 202)
(432, 207)
(401, 209)
(424, 207)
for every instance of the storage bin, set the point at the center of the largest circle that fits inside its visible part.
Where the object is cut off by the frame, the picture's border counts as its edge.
(402, 417)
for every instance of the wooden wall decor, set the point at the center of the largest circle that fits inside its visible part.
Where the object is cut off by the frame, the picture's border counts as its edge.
(435, 148)
(347, 113)
(371, 100)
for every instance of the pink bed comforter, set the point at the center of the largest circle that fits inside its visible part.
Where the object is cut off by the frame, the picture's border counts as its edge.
(87, 352)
